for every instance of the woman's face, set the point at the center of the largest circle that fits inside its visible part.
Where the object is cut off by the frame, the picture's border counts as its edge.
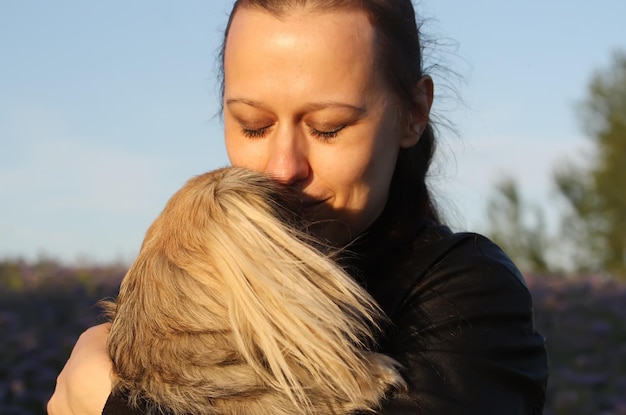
(305, 101)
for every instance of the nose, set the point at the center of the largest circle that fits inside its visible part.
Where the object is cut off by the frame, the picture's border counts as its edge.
(288, 158)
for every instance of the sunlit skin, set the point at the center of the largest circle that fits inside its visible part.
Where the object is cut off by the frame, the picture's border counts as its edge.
(304, 102)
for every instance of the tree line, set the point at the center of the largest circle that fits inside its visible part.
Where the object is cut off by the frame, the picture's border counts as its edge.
(591, 237)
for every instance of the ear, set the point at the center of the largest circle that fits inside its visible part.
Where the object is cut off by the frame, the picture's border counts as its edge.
(419, 114)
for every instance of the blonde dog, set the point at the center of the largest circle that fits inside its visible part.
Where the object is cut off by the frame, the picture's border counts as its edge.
(230, 309)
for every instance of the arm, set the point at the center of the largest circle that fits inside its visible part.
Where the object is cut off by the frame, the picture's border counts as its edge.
(466, 336)
(84, 383)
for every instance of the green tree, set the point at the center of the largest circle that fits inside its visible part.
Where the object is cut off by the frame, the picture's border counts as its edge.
(596, 193)
(518, 227)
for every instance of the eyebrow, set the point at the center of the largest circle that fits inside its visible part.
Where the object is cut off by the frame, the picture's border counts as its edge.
(314, 106)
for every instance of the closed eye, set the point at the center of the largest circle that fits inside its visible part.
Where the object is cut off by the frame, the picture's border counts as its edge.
(326, 135)
(255, 133)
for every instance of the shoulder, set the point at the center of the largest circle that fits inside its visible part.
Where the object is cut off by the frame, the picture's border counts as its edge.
(460, 266)
(465, 283)
(466, 261)
(438, 249)
(464, 329)
(437, 261)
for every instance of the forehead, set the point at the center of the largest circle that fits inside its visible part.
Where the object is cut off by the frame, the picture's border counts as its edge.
(330, 45)
(342, 23)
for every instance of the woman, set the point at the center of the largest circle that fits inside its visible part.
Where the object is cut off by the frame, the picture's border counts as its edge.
(218, 312)
(329, 97)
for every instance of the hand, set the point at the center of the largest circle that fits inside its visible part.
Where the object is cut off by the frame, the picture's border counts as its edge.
(84, 384)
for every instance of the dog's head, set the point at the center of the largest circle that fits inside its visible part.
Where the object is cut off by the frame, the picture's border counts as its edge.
(229, 306)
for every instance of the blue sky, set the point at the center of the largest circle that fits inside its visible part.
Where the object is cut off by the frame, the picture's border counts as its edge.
(106, 108)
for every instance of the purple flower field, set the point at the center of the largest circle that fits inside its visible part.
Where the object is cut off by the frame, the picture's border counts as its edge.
(43, 309)
(45, 306)
(583, 322)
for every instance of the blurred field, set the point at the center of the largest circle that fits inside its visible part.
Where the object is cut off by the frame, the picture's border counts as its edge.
(583, 322)
(45, 306)
(43, 309)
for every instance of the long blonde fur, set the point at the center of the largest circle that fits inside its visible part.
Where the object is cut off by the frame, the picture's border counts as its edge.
(229, 309)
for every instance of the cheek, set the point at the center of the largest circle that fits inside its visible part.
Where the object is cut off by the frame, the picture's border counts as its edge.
(362, 181)
(379, 171)
(230, 142)
(241, 152)
(235, 154)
